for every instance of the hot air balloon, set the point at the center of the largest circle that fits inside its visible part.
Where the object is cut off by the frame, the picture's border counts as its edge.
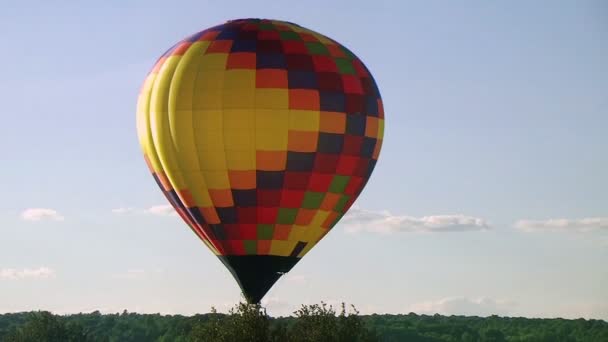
(261, 134)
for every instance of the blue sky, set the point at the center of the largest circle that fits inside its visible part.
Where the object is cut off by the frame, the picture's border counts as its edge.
(490, 195)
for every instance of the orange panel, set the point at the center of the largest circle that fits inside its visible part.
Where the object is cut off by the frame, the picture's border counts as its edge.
(242, 179)
(332, 122)
(221, 197)
(301, 141)
(271, 160)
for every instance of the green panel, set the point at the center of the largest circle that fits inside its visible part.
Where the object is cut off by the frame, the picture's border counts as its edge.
(287, 215)
(289, 35)
(266, 27)
(345, 66)
(312, 200)
(265, 231)
(341, 203)
(316, 48)
(347, 52)
(251, 246)
(338, 184)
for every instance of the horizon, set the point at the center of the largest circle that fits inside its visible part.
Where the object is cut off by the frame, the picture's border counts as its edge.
(488, 198)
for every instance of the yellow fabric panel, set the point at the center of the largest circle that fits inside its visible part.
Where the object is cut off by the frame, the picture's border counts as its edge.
(208, 79)
(241, 160)
(207, 99)
(198, 189)
(380, 128)
(281, 247)
(304, 120)
(143, 123)
(319, 218)
(209, 139)
(239, 78)
(211, 159)
(239, 126)
(208, 126)
(185, 145)
(315, 233)
(186, 73)
(311, 234)
(271, 129)
(214, 61)
(159, 123)
(298, 233)
(217, 179)
(270, 98)
(234, 98)
(308, 233)
(143, 100)
(180, 111)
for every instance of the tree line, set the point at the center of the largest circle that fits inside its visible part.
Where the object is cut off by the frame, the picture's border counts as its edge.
(317, 322)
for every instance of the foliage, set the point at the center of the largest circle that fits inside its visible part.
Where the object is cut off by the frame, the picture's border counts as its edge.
(243, 323)
(320, 323)
(43, 326)
(317, 322)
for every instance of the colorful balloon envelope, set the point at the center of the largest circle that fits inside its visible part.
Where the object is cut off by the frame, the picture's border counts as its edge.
(261, 134)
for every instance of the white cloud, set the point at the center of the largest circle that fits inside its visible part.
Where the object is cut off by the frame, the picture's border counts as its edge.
(563, 225)
(158, 210)
(384, 222)
(27, 273)
(39, 214)
(161, 210)
(464, 306)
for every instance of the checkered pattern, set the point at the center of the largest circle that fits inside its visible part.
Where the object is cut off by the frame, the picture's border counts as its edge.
(261, 134)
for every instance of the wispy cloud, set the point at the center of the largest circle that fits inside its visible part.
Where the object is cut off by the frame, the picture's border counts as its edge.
(161, 210)
(40, 214)
(482, 306)
(27, 273)
(357, 220)
(157, 210)
(563, 225)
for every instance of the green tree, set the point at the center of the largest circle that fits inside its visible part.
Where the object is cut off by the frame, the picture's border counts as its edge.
(42, 326)
(245, 322)
(493, 335)
(320, 323)
(467, 337)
